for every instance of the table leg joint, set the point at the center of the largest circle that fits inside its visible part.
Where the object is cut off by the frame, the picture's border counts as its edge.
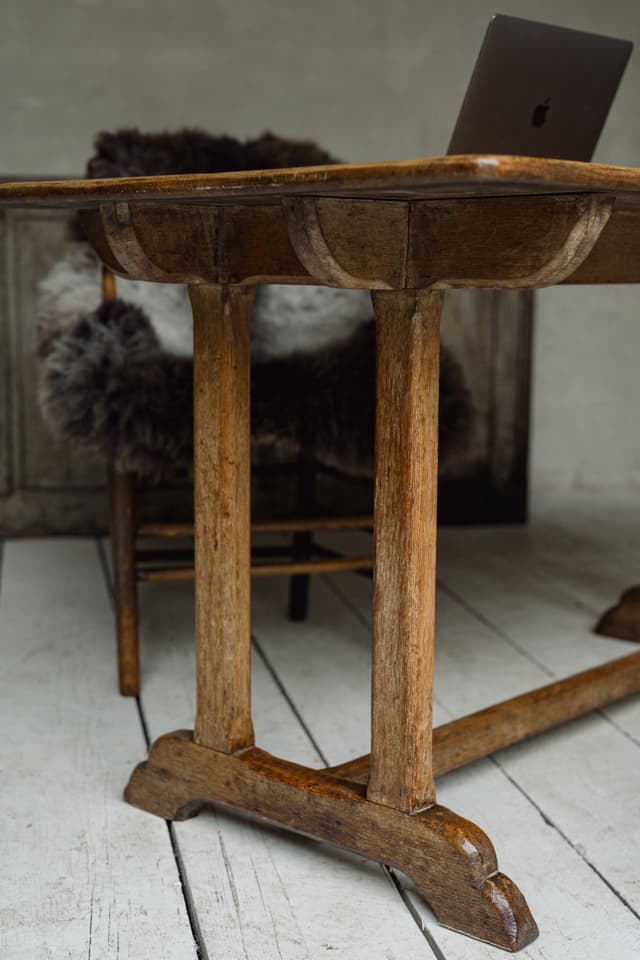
(451, 861)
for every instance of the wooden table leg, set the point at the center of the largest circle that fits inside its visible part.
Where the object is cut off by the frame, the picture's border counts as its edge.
(405, 526)
(623, 620)
(222, 490)
(405, 517)
(395, 818)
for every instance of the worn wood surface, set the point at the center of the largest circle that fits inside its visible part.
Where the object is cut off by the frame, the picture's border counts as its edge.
(615, 257)
(222, 490)
(473, 242)
(420, 178)
(504, 242)
(456, 870)
(278, 894)
(311, 566)
(266, 526)
(122, 507)
(182, 773)
(263, 569)
(623, 619)
(134, 234)
(503, 724)
(350, 243)
(405, 521)
(138, 236)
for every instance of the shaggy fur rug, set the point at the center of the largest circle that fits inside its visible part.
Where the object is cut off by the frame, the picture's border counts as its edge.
(117, 378)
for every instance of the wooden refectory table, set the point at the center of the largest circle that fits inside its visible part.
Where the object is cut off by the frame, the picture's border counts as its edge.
(407, 231)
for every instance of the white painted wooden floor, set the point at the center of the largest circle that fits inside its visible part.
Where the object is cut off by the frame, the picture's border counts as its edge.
(85, 877)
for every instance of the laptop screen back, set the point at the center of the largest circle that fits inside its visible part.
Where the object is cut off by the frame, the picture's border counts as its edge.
(539, 91)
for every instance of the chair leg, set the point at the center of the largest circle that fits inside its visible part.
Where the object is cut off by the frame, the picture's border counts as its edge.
(622, 621)
(122, 488)
(299, 583)
(302, 543)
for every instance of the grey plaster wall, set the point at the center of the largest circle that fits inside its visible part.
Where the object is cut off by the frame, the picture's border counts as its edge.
(370, 80)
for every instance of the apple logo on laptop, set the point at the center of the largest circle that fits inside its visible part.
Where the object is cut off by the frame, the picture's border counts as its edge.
(539, 114)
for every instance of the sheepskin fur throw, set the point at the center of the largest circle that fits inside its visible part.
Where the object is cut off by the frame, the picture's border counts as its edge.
(117, 378)
(130, 153)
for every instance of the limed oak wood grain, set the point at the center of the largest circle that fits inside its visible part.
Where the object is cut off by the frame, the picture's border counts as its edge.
(222, 492)
(616, 255)
(456, 869)
(454, 176)
(505, 242)
(503, 724)
(352, 243)
(405, 521)
(274, 892)
(148, 243)
(262, 568)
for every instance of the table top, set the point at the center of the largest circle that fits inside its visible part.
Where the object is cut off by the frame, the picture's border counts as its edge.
(457, 176)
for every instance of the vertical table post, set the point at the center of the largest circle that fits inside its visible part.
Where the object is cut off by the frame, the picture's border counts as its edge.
(405, 519)
(122, 529)
(222, 490)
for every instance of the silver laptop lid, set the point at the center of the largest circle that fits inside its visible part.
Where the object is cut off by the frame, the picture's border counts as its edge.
(539, 91)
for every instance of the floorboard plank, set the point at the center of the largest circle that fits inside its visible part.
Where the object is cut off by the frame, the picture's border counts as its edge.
(83, 875)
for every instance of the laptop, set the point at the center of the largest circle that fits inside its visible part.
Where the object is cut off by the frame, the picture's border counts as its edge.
(539, 91)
